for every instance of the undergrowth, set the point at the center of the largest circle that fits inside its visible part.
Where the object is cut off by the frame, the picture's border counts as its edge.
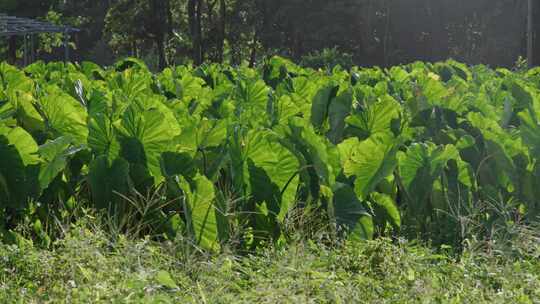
(90, 265)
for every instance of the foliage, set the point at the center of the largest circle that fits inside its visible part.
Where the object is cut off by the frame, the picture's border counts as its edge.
(374, 32)
(327, 59)
(86, 267)
(239, 151)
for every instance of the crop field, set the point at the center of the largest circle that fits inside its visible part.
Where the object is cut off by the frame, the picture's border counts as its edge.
(238, 160)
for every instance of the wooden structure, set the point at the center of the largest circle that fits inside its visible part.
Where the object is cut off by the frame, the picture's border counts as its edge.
(27, 28)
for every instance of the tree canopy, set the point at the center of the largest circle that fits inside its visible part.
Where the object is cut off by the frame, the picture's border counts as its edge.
(372, 32)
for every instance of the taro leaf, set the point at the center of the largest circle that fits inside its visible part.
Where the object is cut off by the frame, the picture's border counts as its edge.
(14, 80)
(265, 224)
(461, 69)
(370, 161)
(64, 115)
(321, 102)
(102, 137)
(129, 85)
(99, 103)
(272, 172)
(434, 91)
(419, 167)
(251, 100)
(106, 179)
(501, 147)
(92, 70)
(285, 109)
(524, 95)
(200, 211)
(321, 156)
(130, 63)
(6, 110)
(173, 225)
(144, 136)
(339, 109)
(23, 142)
(377, 118)
(202, 134)
(19, 167)
(350, 215)
(54, 154)
(13, 179)
(304, 93)
(530, 132)
(26, 114)
(318, 158)
(173, 164)
(389, 209)
(459, 185)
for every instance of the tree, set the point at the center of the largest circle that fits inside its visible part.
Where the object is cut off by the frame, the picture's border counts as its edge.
(530, 32)
(140, 20)
(194, 16)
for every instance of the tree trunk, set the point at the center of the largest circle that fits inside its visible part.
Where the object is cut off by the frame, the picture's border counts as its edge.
(169, 18)
(222, 30)
(536, 32)
(194, 19)
(530, 33)
(160, 44)
(12, 49)
(159, 28)
(200, 48)
(253, 55)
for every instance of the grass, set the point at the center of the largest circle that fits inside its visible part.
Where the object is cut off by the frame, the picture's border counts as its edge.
(86, 266)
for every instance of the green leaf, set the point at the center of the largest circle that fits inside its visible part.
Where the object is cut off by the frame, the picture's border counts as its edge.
(285, 109)
(339, 109)
(419, 167)
(200, 211)
(272, 172)
(164, 278)
(530, 122)
(54, 153)
(210, 133)
(251, 100)
(29, 118)
(107, 178)
(370, 161)
(144, 136)
(19, 167)
(321, 102)
(12, 176)
(130, 63)
(173, 164)
(102, 137)
(387, 204)
(24, 143)
(377, 118)
(64, 115)
(500, 168)
(320, 155)
(350, 215)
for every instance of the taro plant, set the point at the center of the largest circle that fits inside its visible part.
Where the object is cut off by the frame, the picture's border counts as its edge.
(371, 151)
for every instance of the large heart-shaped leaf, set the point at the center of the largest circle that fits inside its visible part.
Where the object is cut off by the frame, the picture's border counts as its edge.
(107, 179)
(350, 215)
(201, 211)
(370, 161)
